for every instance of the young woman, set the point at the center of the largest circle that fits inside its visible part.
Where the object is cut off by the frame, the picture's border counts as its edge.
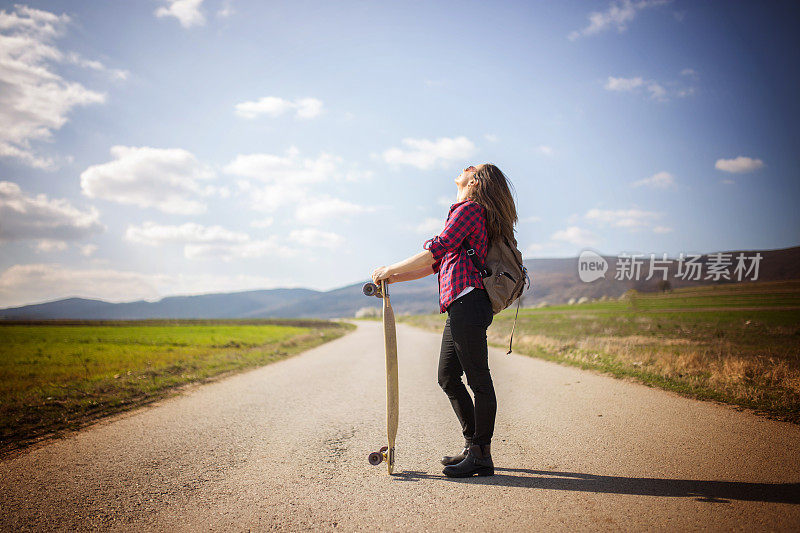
(484, 210)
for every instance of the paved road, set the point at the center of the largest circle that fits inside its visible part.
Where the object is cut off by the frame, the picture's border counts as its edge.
(285, 447)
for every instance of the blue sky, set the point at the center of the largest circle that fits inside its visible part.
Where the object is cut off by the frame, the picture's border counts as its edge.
(180, 147)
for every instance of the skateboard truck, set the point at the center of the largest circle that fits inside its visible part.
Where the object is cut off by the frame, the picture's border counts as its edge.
(370, 289)
(376, 458)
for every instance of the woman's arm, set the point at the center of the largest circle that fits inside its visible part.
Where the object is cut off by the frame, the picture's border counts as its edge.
(415, 262)
(411, 276)
(413, 265)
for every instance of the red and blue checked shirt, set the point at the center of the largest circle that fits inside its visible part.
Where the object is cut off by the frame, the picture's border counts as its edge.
(466, 220)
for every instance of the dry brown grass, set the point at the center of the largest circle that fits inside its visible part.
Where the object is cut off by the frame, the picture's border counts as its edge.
(715, 363)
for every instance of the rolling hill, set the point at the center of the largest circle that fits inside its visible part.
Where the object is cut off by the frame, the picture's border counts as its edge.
(555, 280)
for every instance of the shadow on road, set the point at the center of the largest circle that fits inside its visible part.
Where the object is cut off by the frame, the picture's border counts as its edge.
(704, 491)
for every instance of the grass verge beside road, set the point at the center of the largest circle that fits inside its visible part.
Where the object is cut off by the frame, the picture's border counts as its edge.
(61, 375)
(735, 343)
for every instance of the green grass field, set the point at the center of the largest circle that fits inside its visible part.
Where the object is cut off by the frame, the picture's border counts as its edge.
(738, 344)
(62, 375)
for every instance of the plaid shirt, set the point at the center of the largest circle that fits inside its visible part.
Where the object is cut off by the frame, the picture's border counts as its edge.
(466, 220)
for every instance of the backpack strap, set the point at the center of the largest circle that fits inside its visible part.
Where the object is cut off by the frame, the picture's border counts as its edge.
(510, 340)
(519, 300)
(484, 271)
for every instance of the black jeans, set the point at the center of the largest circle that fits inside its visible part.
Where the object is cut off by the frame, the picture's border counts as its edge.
(464, 350)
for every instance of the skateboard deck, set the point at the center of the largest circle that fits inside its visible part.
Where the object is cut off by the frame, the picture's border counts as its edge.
(386, 453)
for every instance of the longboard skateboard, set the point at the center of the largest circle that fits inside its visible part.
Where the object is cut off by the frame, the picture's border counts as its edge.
(386, 453)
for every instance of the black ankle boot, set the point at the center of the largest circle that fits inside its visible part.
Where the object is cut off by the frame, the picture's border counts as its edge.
(478, 461)
(455, 459)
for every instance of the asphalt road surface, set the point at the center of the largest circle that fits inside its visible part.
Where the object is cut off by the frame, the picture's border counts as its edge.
(284, 447)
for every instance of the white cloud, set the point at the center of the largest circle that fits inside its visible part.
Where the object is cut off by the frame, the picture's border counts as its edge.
(274, 106)
(618, 15)
(226, 10)
(271, 197)
(430, 226)
(186, 11)
(287, 179)
(660, 180)
(289, 168)
(545, 150)
(35, 283)
(662, 229)
(213, 242)
(77, 59)
(688, 72)
(315, 211)
(575, 235)
(656, 90)
(314, 237)
(52, 220)
(154, 234)
(308, 107)
(727, 182)
(166, 179)
(47, 245)
(533, 248)
(268, 105)
(246, 250)
(88, 249)
(292, 169)
(426, 154)
(739, 165)
(621, 218)
(34, 100)
(355, 174)
(491, 137)
(623, 84)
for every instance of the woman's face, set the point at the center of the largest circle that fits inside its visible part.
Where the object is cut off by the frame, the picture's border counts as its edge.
(464, 178)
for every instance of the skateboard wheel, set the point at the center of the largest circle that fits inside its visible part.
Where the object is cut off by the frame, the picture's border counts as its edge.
(375, 458)
(383, 449)
(370, 289)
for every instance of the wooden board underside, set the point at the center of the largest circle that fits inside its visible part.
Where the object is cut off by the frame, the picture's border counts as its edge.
(392, 392)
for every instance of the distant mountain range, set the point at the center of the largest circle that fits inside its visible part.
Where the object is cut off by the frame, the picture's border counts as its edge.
(554, 281)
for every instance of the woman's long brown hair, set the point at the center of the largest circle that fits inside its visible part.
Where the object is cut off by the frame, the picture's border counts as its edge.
(492, 190)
